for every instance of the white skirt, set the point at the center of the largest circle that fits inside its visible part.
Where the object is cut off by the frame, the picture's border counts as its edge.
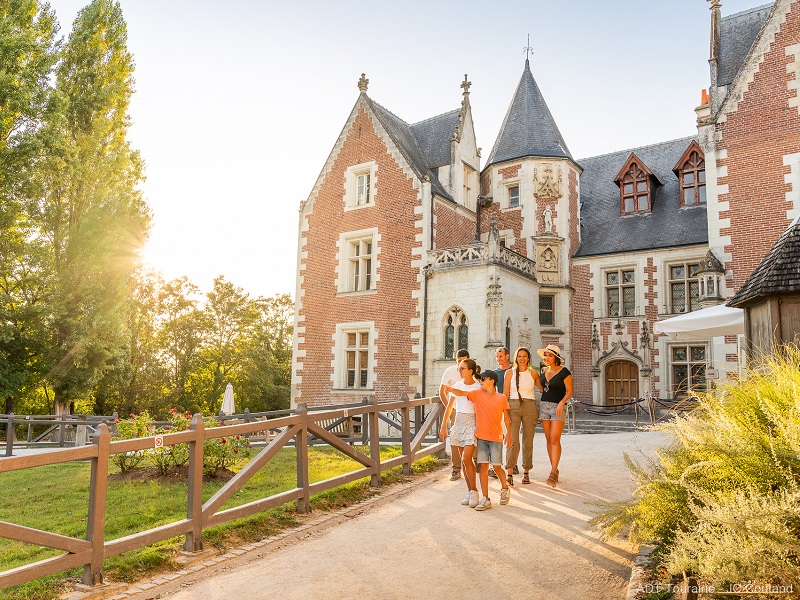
(463, 431)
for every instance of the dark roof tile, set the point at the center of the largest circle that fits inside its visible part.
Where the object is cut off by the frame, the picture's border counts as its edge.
(737, 33)
(605, 231)
(528, 128)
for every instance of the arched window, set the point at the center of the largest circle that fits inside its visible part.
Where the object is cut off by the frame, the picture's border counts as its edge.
(508, 335)
(463, 334)
(449, 339)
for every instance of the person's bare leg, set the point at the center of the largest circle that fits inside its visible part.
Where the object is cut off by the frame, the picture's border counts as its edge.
(485, 479)
(554, 444)
(546, 428)
(498, 469)
(469, 467)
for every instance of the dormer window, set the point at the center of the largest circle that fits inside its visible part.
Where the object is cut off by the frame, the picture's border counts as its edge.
(691, 172)
(635, 183)
(635, 191)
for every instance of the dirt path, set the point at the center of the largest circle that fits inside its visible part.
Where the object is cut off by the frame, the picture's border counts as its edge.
(426, 545)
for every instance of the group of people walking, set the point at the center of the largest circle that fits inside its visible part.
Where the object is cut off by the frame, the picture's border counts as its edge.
(499, 406)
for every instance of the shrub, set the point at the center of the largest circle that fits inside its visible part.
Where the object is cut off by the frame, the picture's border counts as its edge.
(725, 495)
(136, 426)
(224, 452)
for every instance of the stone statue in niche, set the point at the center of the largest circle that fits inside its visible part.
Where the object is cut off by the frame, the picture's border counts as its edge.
(548, 220)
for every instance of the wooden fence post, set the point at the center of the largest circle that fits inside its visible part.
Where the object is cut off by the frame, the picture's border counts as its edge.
(194, 505)
(301, 444)
(10, 434)
(375, 444)
(62, 430)
(95, 529)
(364, 426)
(405, 413)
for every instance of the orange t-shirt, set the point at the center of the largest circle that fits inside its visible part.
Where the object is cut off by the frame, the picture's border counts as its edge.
(489, 414)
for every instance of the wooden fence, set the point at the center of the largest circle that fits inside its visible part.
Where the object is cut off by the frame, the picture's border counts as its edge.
(302, 427)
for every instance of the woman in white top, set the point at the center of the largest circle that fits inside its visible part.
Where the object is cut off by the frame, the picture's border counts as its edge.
(519, 388)
(462, 434)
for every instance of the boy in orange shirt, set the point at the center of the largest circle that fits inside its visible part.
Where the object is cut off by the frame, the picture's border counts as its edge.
(491, 410)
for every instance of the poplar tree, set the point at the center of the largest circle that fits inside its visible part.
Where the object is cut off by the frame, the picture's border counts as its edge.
(28, 51)
(92, 210)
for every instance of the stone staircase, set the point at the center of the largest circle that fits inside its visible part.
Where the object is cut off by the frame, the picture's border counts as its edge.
(608, 425)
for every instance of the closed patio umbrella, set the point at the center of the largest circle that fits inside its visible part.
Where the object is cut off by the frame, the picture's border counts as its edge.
(228, 407)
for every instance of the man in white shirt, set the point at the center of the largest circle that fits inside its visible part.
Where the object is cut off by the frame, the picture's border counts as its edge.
(450, 377)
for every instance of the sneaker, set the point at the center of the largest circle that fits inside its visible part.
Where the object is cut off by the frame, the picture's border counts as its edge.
(516, 470)
(455, 475)
(492, 473)
(473, 498)
(466, 499)
(505, 495)
(484, 504)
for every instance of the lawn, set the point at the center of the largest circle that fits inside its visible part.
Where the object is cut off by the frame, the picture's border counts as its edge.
(55, 498)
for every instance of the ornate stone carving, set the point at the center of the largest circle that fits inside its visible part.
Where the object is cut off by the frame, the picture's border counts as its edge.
(595, 337)
(548, 220)
(548, 185)
(524, 334)
(471, 255)
(548, 265)
(494, 294)
(363, 83)
(644, 340)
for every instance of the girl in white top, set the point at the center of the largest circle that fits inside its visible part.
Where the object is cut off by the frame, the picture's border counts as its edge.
(520, 386)
(462, 434)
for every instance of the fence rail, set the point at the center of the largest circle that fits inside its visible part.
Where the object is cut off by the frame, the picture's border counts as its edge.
(302, 426)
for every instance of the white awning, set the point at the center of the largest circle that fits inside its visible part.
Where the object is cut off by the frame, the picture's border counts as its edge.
(703, 323)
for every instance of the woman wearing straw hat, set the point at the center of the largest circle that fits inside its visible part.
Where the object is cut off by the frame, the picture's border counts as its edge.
(557, 390)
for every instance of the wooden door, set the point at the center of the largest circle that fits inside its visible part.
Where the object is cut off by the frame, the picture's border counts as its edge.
(622, 382)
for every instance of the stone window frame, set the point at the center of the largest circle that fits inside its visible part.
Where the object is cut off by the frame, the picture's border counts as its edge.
(621, 285)
(344, 261)
(342, 348)
(454, 324)
(470, 186)
(689, 362)
(552, 310)
(351, 177)
(687, 279)
(508, 184)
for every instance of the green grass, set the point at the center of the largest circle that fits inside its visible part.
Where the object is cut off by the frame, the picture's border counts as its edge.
(55, 498)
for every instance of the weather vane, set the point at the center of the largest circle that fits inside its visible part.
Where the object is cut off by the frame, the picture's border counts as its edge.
(528, 50)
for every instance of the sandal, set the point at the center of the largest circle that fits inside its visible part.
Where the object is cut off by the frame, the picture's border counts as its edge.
(510, 480)
(526, 478)
(552, 480)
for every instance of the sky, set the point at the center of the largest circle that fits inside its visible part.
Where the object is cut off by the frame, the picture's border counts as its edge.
(238, 104)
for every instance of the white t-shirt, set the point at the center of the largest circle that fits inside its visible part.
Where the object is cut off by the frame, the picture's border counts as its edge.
(463, 405)
(450, 377)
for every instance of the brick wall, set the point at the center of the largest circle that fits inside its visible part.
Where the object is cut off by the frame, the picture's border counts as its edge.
(392, 307)
(581, 325)
(451, 228)
(763, 127)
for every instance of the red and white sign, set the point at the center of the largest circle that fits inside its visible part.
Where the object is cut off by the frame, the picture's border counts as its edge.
(159, 441)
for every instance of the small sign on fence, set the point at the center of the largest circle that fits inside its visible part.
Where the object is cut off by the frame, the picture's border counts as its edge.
(712, 374)
(158, 441)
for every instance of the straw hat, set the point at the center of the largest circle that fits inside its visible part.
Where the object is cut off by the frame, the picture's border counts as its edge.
(553, 349)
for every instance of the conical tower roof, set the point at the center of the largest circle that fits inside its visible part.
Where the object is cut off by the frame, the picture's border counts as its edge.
(528, 129)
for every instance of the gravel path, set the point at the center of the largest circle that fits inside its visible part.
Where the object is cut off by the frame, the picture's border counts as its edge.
(426, 545)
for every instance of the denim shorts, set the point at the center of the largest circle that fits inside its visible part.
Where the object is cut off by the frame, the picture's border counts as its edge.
(547, 411)
(490, 452)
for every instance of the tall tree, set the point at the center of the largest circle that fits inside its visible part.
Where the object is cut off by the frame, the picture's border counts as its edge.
(92, 211)
(28, 50)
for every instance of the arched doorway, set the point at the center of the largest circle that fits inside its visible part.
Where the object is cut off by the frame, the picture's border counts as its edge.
(622, 382)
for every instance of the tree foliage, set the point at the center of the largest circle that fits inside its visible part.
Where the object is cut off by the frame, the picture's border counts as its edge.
(81, 323)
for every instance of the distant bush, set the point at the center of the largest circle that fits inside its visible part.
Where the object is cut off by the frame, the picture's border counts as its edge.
(724, 497)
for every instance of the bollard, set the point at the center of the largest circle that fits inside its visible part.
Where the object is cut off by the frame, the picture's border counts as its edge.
(10, 434)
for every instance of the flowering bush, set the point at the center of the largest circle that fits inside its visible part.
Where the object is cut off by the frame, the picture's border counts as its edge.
(176, 455)
(128, 429)
(224, 452)
(724, 496)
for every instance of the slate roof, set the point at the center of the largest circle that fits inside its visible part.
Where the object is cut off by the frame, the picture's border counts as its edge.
(528, 128)
(605, 231)
(737, 33)
(425, 145)
(778, 273)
